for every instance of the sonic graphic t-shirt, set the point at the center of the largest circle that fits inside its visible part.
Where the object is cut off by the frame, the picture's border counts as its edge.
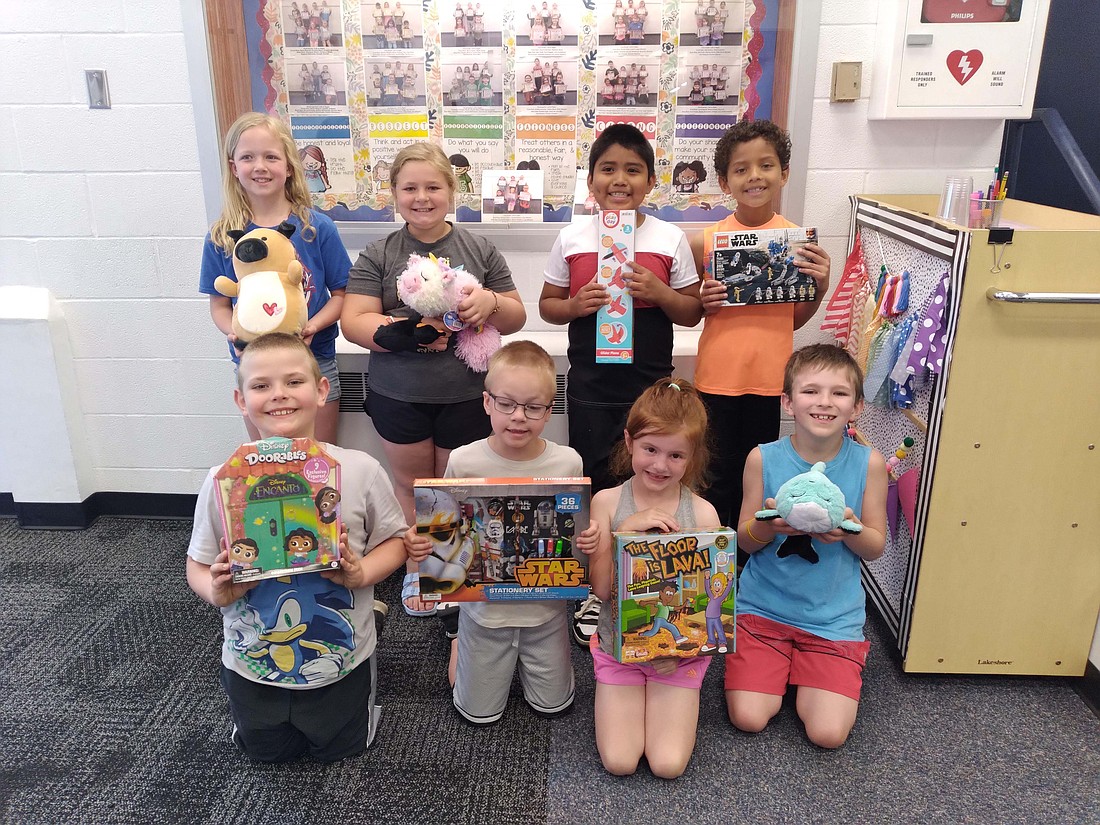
(305, 631)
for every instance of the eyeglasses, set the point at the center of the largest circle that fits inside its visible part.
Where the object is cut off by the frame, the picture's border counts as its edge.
(507, 406)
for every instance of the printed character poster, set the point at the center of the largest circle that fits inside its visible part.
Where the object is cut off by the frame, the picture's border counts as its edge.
(472, 77)
(628, 23)
(325, 149)
(473, 143)
(548, 23)
(391, 26)
(387, 135)
(511, 195)
(696, 135)
(470, 25)
(312, 26)
(548, 142)
(711, 23)
(628, 77)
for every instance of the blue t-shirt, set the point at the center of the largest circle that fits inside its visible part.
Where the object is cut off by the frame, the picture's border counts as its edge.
(325, 265)
(825, 598)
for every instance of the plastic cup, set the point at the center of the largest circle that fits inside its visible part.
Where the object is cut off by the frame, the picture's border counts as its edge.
(955, 200)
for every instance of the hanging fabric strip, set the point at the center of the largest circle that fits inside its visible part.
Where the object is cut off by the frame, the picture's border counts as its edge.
(838, 312)
(928, 349)
(901, 391)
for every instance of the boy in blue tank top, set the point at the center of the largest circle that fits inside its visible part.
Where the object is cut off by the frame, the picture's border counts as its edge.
(800, 616)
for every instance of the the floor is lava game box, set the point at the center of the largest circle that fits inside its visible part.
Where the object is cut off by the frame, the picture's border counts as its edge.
(280, 504)
(502, 539)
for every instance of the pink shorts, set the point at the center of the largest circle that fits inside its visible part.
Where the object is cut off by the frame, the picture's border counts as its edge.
(689, 672)
(770, 655)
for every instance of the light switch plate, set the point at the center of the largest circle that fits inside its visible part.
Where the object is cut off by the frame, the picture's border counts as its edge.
(99, 96)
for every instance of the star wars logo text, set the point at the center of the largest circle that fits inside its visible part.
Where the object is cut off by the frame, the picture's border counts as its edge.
(550, 573)
(672, 557)
(736, 240)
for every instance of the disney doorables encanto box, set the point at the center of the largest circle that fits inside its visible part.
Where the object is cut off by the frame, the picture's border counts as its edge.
(496, 539)
(674, 594)
(280, 504)
(758, 266)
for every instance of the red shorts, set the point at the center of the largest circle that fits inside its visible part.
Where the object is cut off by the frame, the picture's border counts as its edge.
(770, 655)
(689, 672)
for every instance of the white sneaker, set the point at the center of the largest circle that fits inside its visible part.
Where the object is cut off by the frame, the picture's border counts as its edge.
(586, 619)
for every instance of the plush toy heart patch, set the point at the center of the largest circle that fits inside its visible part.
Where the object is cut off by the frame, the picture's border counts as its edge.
(272, 309)
(964, 65)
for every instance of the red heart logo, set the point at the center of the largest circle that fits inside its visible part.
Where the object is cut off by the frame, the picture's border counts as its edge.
(271, 309)
(964, 65)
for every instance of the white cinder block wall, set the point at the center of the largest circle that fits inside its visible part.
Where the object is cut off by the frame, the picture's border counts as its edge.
(105, 208)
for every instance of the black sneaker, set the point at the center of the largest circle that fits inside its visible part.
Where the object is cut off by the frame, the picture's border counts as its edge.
(449, 617)
(381, 611)
(585, 620)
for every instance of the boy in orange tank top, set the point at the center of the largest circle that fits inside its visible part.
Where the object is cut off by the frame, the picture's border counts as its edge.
(743, 349)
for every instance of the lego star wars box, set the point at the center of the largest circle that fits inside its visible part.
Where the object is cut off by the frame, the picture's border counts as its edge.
(497, 539)
(279, 500)
(615, 321)
(758, 265)
(674, 594)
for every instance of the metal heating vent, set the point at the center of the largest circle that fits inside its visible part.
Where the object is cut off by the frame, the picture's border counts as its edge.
(353, 392)
(558, 407)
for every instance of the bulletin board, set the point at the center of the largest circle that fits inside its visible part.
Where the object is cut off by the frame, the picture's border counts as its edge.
(514, 84)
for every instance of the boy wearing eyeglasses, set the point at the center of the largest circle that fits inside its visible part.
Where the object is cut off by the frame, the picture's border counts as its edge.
(495, 637)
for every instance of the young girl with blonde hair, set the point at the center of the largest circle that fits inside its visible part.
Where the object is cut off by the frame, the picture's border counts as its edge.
(264, 185)
(425, 402)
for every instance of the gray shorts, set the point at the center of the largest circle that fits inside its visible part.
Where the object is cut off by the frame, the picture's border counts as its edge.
(487, 658)
(331, 371)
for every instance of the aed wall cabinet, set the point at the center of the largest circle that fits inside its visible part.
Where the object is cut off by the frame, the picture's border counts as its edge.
(1001, 570)
(957, 58)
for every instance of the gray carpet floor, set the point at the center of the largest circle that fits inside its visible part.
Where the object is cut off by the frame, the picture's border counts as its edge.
(110, 711)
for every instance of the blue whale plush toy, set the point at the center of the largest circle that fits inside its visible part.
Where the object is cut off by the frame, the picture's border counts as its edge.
(809, 502)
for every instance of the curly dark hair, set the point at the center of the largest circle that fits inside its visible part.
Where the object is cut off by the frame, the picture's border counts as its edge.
(745, 130)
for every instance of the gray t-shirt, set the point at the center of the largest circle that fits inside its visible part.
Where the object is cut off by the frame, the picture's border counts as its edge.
(478, 460)
(424, 377)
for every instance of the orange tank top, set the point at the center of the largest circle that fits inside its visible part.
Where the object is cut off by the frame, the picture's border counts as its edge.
(743, 350)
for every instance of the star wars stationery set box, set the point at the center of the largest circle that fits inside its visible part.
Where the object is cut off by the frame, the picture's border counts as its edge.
(498, 539)
(279, 500)
(758, 266)
(674, 594)
(615, 320)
